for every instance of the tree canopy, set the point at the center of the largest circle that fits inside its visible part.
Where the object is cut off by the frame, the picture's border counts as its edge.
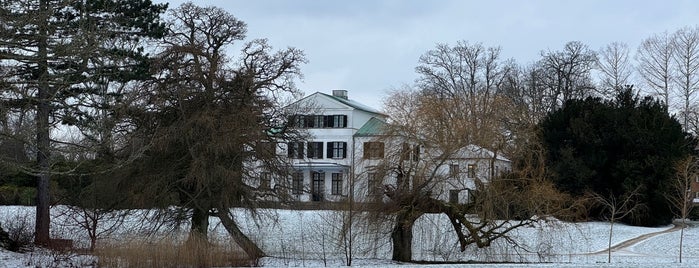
(613, 147)
(58, 59)
(212, 121)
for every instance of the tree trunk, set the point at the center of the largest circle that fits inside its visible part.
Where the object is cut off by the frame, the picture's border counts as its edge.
(200, 224)
(684, 224)
(43, 135)
(241, 239)
(609, 245)
(92, 224)
(402, 238)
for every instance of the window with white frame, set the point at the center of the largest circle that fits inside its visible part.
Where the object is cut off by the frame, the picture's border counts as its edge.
(299, 121)
(416, 152)
(338, 121)
(410, 152)
(374, 184)
(454, 196)
(319, 121)
(297, 183)
(373, 150)
(471, 170)
(336, 187)
(317, 186)
(265, 180)
(454, 170)
(295, 150)
(315, 150)
(337, 149)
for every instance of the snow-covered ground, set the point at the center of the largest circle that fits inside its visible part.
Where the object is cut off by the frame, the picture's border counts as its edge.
(312, 238)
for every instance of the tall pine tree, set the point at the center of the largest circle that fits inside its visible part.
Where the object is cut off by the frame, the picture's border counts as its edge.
(55, 55)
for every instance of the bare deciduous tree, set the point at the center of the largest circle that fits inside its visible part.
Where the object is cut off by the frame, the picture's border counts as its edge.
(415, 186)
(617, 208)
(464, 70)
(685, 43)
(460, 102)
(215, 121)
(687, 170)
(566, 74)
(615, 68)
(654, 56)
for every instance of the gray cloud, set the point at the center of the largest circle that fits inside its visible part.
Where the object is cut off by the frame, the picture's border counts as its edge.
(369, 47)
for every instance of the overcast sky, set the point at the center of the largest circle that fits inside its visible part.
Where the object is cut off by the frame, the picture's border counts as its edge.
(369, 47)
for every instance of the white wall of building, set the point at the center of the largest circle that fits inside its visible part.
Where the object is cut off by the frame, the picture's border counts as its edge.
(356, 169)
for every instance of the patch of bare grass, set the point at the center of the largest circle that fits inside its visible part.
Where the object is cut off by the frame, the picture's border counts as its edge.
(171, 252)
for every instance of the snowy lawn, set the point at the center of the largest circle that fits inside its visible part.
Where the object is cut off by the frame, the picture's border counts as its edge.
(312, 238)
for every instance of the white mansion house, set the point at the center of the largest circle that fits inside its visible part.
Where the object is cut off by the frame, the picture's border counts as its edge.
(337, 158)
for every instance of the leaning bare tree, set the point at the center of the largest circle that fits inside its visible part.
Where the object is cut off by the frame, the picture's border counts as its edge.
(213, 121)
(681, 198)
(456, 111)
(415, 167)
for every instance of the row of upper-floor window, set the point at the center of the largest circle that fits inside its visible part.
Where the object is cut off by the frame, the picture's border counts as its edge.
(319, 121)
(338, 149)
(315, 150)
(317, 182)
(455, 170)
(317, 185)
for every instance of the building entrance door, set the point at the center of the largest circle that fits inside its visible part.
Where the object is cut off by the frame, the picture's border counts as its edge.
(317, 186)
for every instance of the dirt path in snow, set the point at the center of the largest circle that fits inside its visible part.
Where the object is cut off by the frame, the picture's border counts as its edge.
(636, 240)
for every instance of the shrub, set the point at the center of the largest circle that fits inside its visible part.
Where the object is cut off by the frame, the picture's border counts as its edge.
(19, 232)
(17, 195)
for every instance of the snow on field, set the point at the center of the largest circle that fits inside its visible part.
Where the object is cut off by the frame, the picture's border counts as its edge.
(312, 238)
(665, 247)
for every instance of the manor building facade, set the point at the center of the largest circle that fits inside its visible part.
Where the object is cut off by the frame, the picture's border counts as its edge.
(337, 160)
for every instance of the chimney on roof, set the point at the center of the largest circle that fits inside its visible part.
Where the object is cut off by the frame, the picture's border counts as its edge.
(340, 93)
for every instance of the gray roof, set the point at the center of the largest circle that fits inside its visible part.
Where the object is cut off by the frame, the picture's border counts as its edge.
(473, 151)
(354, 104)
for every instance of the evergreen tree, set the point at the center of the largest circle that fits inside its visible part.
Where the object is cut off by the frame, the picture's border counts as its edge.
(613, 147)
(57, 55)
